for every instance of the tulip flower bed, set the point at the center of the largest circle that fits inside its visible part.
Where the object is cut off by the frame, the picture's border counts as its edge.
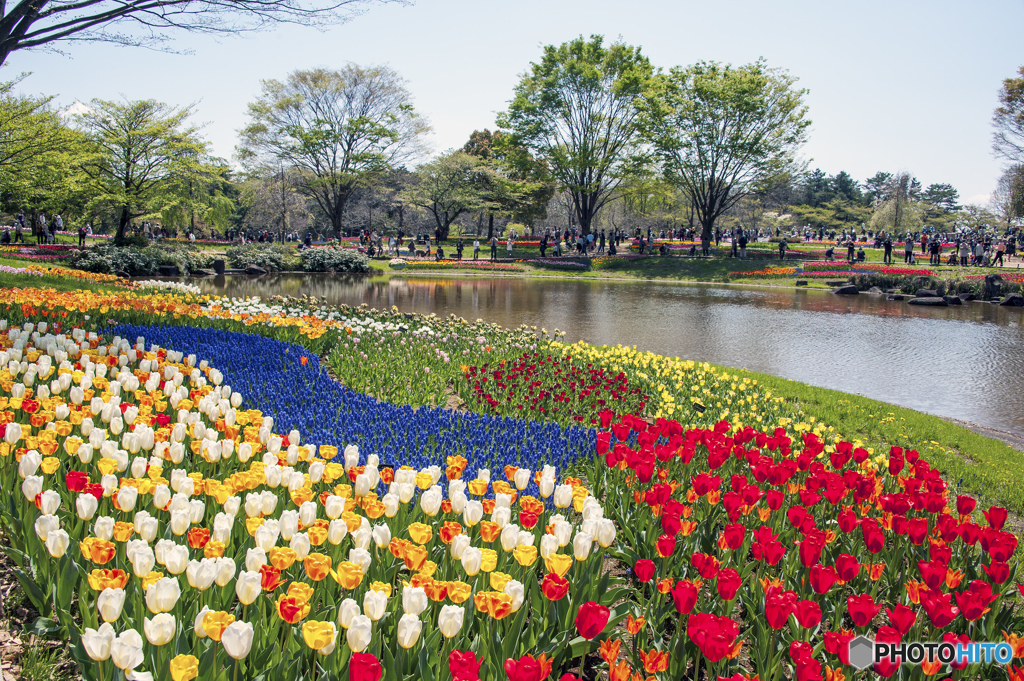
(194, 542)
(782, 551)
(482, 265)
(20, 270)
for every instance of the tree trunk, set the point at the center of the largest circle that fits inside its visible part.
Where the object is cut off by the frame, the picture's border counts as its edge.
(490, 226)
(122, 223)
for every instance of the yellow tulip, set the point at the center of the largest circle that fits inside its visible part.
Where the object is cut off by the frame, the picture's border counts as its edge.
(282, 557)
(499, 580)
(525, 555)
(317, 566)
(318, 635)
(424, 480)
(558, 563)
(301, 591)
(459, 592)
(421, 533)
(488, 560)
(382, 587)
(215, 622)
(184, 668)
(348, 575)
(151, 578)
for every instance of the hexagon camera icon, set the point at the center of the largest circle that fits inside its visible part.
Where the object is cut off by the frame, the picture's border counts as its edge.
(862, 652)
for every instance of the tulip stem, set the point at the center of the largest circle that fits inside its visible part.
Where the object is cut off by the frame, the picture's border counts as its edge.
(234, 675)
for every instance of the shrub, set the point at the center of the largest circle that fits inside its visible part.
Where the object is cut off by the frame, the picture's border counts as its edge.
(330, 259)
(270, 257)
(111, 259)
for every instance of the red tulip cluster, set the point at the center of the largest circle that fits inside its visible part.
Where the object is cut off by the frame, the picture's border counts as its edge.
(553, 388)
(793, 546)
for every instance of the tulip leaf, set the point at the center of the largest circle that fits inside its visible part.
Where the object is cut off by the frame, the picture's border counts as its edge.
(32, 590)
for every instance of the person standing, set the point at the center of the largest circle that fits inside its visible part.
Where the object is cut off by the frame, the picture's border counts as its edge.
(887, 245)
(494, 248)
(743, 244)
(908, 249)
(41, 229)
(1000, 248)
(476, 248)
(783, 245)
(511, 242)
(81, 236)
(600, 245)
(458, 248)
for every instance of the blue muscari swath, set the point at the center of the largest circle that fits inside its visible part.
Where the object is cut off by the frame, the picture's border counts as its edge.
(271, 378)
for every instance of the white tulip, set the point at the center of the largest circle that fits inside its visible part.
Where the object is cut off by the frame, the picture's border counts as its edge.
(162, 595)
(161, 629)
(450, 620)
(381, 535)
(581, 545)
(348, 609)
(409, 628)
(430, 501)
(32, 486)
(109, 603)
(360, 631)
(126, 650)
(97, 642)
(300, 544)
(522, 478)
(548, 545)
(57, 543)
(375, 604)
(471, 559)
(49, 502)
(254, 558)
(237, 639)
(45, 524)
(248, 586)
(517, 591)
(473, 513)
(414, 600)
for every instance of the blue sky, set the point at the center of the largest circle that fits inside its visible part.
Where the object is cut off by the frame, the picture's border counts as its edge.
(893, 85)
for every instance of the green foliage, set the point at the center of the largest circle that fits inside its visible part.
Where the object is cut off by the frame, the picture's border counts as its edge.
(451, 185)
(139, 151)
(331, 259)
(111, 259)
(271, 257)
(577, 112)
(722, 131)
(340, 128)
(1008, 120)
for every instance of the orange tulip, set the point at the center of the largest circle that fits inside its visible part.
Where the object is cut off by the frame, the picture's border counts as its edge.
(317, 566)
(619, 672)
(449, 531)
(610, 651)
(634, 624)
(97, 550)
(292, 610)
(654, 661)
(489, 531)
(198, 536)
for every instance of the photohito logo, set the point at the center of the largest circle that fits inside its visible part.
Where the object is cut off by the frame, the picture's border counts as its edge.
(865, 652)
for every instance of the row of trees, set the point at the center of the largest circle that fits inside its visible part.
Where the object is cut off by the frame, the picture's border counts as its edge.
(594, 137)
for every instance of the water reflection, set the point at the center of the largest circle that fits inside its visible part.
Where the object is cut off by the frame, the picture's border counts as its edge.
(966, 362)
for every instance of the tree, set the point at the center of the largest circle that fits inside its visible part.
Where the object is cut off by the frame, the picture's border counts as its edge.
(942, 196)
(138, 147)
(271, 201)
(876, 188)
(577, 112)
(1008, 120)
(29, 24)
(721, 131)
(845, 187)
(450, 186)
(899, 212)
(340, 128)
(1008, 198)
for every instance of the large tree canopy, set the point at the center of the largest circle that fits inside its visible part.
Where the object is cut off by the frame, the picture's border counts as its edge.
(28, 24)
(139, 149)
(722, 131)
(577, 111)
(339, 128)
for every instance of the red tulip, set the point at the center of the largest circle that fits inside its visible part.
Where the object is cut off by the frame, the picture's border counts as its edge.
(808, 670)
(862, 609)
(996, 517)
(728, 583)
(778, 607)
(974, 601)
(706, 565)
(902, 618)
(847, 567)
(554, 587)
(76, 481)
(822, 578)
(733, 536)
(939, 607)
(591, 619)
(644, 570)
(808, 614)
(965, 505)
(666, 545)
(837, 643)
(997, 571)
(364, 667)
(526, 668)
(684, 596)
(464, 666)
(950, 637)
(933, 573)
(715, 636)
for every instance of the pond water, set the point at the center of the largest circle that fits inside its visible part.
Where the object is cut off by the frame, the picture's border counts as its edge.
(964, 362)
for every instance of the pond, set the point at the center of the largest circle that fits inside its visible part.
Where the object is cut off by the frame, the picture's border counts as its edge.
(963, 362)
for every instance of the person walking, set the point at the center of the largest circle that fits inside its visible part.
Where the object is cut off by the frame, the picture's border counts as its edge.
(81, 236)
(783, 245)
(600, 244)
(1000, 248)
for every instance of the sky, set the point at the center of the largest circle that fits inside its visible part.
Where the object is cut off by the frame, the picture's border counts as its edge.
(892, 86)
